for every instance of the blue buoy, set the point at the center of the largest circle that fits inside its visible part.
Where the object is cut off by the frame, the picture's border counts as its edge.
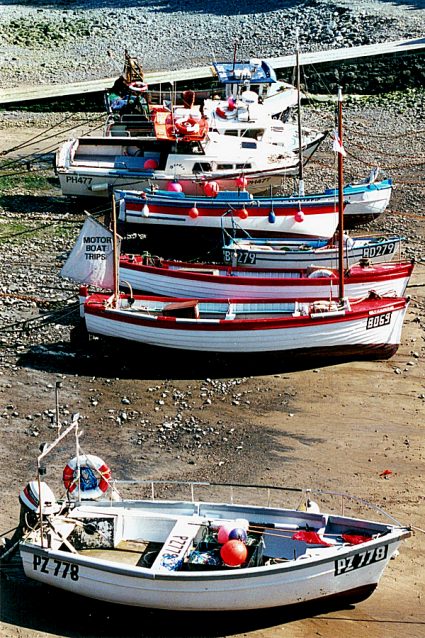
(272, 217)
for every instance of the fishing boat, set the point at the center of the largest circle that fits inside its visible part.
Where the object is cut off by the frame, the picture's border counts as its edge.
(357, 328)
(257, 105)
(259, 77)
(182, 151)
(131, 108)
(268, 253)
(236, 212)
(247, 118)
(202, 280)
(196, 553)
(241, 212)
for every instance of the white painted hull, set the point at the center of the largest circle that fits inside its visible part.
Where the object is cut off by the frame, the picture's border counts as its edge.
(313, 225)
(269, 256)
(85, 183)
(244, 589)
(331, 334)
(368, 202)
(93, 167)
(159, 282)
(287, 569)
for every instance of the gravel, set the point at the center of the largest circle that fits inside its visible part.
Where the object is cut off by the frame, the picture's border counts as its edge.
(76, 41)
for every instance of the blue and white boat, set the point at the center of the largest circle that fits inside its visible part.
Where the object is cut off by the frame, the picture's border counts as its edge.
(292, 253)
(365, 200)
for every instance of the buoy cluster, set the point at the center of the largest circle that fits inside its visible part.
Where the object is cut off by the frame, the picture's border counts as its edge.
(233, 536)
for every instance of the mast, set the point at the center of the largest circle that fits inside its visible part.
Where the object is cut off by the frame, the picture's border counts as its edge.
(301, 191)
(116, 256)
(340, 199)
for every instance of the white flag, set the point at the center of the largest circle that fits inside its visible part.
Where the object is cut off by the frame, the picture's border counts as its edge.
(337, 145)
(91, 260)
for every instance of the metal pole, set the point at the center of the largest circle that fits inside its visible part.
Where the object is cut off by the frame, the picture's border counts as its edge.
(77, 454)
(57, 386)
(340, 201)
(40, 508)
(115, 254)
(301, 191)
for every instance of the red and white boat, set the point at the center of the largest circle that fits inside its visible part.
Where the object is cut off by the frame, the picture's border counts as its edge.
(200, 280)
(234, 211)
(361, 328)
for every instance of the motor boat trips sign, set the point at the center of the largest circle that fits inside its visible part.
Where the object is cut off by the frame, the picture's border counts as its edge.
(91, 260)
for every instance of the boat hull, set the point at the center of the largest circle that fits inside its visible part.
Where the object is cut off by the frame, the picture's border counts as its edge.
(209, 281)
(86, 183)
(317, 220)
(364, 202)
(269, 255)
(233, 590)
(373, 330)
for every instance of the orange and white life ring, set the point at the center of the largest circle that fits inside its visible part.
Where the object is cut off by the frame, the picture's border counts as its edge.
(225, 113)
(187, 126)
(138, 87)
(95, 476)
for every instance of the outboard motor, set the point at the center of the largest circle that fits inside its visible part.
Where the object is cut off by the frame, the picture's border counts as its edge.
(29, 498)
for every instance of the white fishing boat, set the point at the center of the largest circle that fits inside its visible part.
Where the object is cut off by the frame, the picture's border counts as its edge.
(313, 215)
(358, 328)
(243, 112)
(181, 155)
(259, 77)
(202, 280)
(247, 119)
(237, 212)
(271, 253)
(365, 200)
(197, 553)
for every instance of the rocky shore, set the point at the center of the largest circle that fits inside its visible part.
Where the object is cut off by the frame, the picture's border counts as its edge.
(69, 41)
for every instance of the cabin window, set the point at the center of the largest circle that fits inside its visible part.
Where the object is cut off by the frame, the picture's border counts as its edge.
(243, 166)
(225, 167)
(255, 134)
(249, 145)
(231, 132)
(202, 167)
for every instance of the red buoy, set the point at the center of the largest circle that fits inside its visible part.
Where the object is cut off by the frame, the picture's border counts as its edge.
(234, 553)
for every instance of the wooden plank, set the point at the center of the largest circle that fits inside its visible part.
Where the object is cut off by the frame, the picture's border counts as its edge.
(24, 93)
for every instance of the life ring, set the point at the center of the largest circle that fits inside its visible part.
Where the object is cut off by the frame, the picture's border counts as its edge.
(321, 273)
(188, 126)
(138, 87)
(225, 114)
(95, 476)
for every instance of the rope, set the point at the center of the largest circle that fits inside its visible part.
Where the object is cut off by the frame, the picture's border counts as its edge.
(29, 142)
(44, 320)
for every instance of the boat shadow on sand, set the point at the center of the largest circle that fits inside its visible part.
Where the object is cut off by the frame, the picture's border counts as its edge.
(24, 604)
(112, 358)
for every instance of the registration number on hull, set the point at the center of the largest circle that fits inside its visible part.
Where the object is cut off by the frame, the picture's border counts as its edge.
(378, 320)
(74, 179)
(243, 257)
(378, 250)
(54, 567)
(362, 559)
